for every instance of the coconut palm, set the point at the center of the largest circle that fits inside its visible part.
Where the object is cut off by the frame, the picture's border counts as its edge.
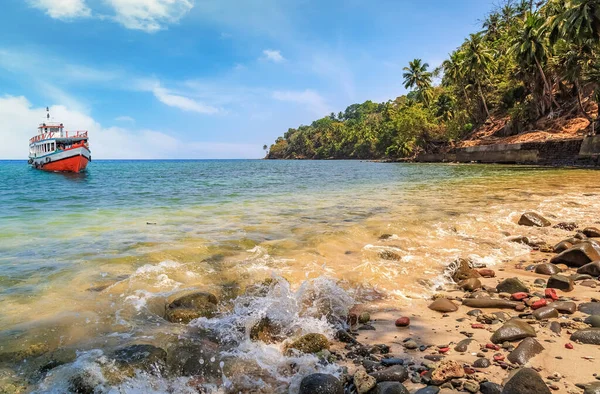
(582, 21)
(417, 76)
(478, 63)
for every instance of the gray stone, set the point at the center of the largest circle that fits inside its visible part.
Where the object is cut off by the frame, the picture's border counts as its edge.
(590, 308)
(533, 219)
(526, 381)
(589, 336)
(481, 363)
(395, 373)
(390, 388)
(592, 269)
(545, 313)
(527, 349)
(512, 285)
(593, 321)
(513, 330)
(428, 390)
(578, 255)
(490, 303)
(320, 383)
(555, 327)
(547, 269)
(560, 282)
(463, 345)
(490, 388)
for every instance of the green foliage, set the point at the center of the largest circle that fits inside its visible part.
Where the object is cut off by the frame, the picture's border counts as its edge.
(528, 57)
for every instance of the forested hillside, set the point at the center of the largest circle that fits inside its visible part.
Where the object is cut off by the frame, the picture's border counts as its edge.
(530, 61)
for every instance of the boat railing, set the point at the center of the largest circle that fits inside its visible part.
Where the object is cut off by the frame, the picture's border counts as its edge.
(59, 134)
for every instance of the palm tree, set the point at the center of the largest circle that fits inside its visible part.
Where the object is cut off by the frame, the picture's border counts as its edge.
(444, 107)
(454, 73)
(582, 21)
(530, 49)
(478, 63)
(416, 75)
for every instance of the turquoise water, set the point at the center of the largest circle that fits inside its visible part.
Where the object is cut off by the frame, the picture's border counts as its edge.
(89, 261)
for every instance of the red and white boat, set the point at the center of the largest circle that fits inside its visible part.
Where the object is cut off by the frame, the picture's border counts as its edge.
(55, 149)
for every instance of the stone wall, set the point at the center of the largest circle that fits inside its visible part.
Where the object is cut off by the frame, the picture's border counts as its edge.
(567, 152)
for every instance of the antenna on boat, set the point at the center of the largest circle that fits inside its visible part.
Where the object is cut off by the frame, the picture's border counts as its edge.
(47, 113)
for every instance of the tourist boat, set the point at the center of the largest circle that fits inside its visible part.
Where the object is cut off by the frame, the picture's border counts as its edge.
(55, 149)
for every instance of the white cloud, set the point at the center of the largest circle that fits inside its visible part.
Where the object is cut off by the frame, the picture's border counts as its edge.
(181, 102)
(273, 55)
(127, 119)
(149, 15)
(62, 9)
(309, 98)
(21, 120)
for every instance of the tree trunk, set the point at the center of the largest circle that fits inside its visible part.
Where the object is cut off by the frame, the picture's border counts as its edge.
(548, 87)
(487, 112)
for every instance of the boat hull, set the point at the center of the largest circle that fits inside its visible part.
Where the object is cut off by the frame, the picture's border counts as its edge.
(72, 160)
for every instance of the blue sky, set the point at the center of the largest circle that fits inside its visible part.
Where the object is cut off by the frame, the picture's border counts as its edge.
(209, 78)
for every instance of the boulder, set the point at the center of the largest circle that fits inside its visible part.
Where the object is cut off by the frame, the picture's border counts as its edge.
(533, 219)
(390, 388)
(191, 306)
(527, 349)
(447, 370)
(443, 305)
(490, 303)
(321, 383)
(562, 246)
(545, 313)
(560, 282)
(309, 343)
(592, 269)
(547, 269)
(512, 285)
(590, 336)
(364, 382)
(591, 232)
(526, 381)
(578, 255)
(464, 271)
(395, 373)
(513, 330)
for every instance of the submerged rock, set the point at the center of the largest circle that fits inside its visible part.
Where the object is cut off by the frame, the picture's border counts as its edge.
(139, 357)
(320, 383)
(528, 348)
(590, 336)
(513, 330)
(191, 306)
(592, 269)
(266, 331)
(526, 381)
(512, 285)
(533, 219)
(560, 282)
(443, 305)
(578, 255)
(309, 343)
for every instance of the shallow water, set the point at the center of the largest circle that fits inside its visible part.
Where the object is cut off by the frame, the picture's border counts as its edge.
(89, 261)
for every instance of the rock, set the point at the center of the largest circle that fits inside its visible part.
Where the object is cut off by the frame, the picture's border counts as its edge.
(364, 318)
(526, 381)
(592, 388)
(471, 386)
(471, 284)
(321, 383)
(512, 285)
(561, 246)
(195, 359)
(385, 236)
(395, 373)
(402, 322)
(568, 226)
(593, 321)
(266, 331)
(567, 307)
(386, 362)
(592, 269)
(513, 330)
(589, 283)
(139, 357)
(547, 269)
(578, 255)
(490, 388)
(390, 388)
(591, 232)
(410, 344)
(344, 336)
(533, 219)
(191, 306)
(487, 273)
(527, 349)
(482, 363)
(309, 343)
(447, 370)
(580, 277)
(364, 382)
(463, 345)
(443, 305)
(490, 303)
(590, 308)
(545, 313)
(428, 390)
(464, 271)
(560, 282)
(589, 336)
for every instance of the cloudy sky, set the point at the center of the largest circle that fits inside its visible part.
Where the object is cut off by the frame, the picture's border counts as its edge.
(208, 78)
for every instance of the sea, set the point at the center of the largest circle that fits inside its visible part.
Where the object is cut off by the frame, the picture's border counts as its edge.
(89, 261)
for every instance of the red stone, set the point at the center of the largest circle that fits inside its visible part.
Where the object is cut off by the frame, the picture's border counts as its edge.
(477, 325)
(469, 371)
(498, 357)
(443, 350)
(551, 293)
(539, 303)
(569, 345)
(402, 322)
(519, 296)
(492, 346)
(487, 273)
(423, 373)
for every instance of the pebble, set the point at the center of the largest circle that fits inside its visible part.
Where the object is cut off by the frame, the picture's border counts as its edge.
(402, 322)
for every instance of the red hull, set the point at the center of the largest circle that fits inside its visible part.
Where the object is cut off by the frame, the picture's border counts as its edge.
(71, 164)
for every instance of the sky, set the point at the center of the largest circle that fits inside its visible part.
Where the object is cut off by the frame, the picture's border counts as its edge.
(208, 78)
